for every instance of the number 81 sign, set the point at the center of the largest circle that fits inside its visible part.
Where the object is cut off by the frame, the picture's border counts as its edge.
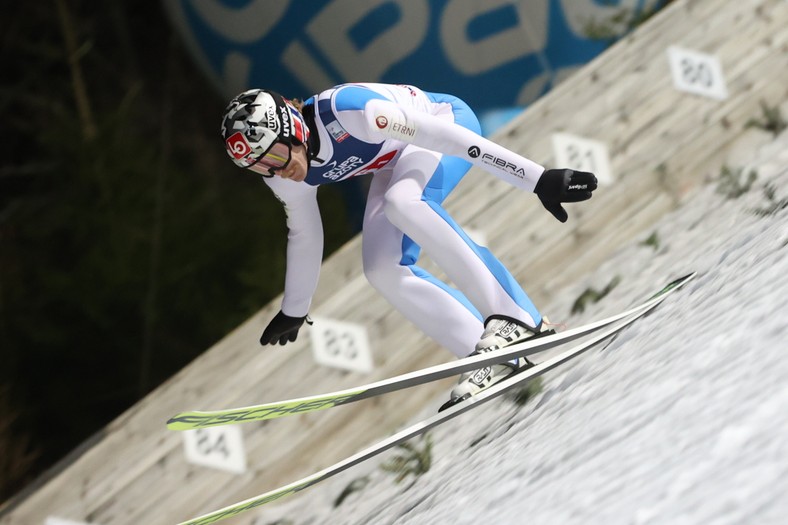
(583, 154)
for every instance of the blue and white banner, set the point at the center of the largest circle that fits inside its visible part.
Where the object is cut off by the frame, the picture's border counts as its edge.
(491, 53)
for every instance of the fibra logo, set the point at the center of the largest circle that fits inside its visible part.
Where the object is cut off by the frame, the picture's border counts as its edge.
(474, 151)
(505, 164)
(238, 146)
(381, 121)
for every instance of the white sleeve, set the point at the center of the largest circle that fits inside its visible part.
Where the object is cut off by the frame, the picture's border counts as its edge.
(304, 243)
(388, 120)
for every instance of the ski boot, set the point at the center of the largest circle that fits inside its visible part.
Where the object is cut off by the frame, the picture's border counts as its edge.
(499, 331)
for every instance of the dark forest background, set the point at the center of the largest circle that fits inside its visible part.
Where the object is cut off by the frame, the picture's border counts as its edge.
(128, 242)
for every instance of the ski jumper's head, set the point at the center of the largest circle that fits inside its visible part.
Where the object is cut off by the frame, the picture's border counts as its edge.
(260, 129)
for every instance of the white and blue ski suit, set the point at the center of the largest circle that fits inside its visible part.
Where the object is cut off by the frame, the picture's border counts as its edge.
(417, 146)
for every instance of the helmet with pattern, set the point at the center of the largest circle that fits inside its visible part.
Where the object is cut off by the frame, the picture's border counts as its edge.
(259, 129)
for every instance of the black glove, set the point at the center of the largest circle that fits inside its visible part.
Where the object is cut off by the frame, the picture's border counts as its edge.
(564, 185)
(282, 329)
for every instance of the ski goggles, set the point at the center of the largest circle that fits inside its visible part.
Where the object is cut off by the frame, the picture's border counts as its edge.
(294, 132)
(276, 158)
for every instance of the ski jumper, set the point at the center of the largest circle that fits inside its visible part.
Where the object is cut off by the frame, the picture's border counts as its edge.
(418, 146)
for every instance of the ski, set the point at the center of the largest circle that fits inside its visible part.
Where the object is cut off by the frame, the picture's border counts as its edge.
(201, 419)
(433, 421)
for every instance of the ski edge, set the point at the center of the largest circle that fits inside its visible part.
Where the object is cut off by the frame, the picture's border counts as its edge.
(192, 420)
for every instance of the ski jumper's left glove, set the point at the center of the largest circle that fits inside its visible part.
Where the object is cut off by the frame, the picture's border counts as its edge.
(564, 185)
(282, 329)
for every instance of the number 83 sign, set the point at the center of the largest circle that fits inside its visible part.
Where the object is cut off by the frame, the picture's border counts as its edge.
(697, 73)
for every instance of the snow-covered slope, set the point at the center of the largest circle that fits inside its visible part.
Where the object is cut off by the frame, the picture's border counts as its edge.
(683, 419)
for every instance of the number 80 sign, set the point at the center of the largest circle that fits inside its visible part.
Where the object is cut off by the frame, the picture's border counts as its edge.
(697, 73)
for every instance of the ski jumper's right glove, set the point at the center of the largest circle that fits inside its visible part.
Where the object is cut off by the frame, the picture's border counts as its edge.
(564, 185)
(282, 329)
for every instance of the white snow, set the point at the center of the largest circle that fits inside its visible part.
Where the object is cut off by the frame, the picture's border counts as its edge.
(682, 419)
